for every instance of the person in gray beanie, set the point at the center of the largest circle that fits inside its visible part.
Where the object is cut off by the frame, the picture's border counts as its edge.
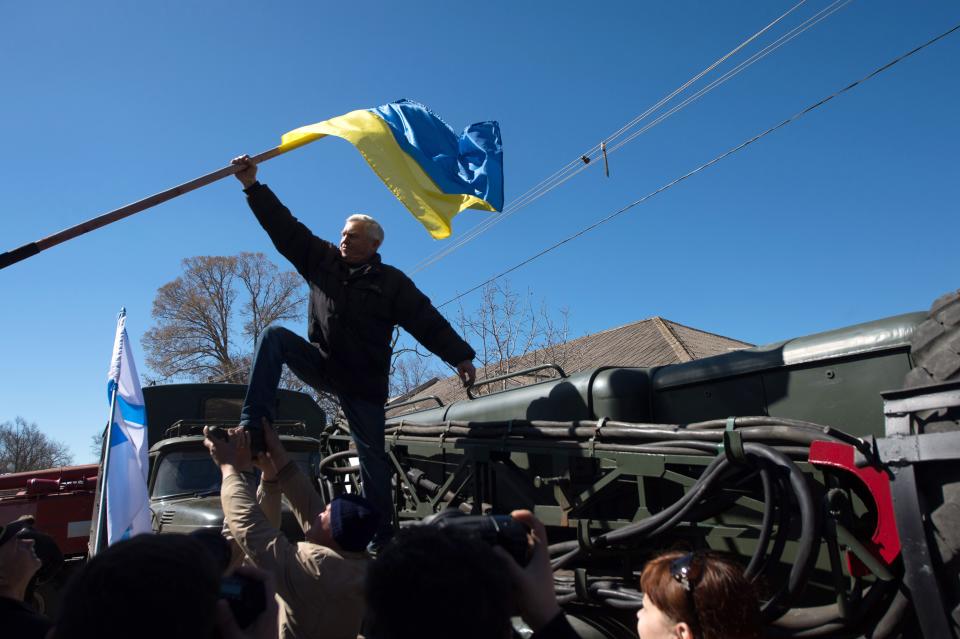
(319, 580)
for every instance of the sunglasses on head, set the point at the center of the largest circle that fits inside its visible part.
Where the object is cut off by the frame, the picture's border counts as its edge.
(686, 570)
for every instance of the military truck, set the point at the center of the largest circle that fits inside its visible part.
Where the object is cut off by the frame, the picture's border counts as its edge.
(184, 485)
(808, 458)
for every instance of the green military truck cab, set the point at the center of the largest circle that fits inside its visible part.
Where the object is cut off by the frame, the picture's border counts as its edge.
(184, 483)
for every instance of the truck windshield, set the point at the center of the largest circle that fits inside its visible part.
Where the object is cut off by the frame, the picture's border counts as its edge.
(192, 471)
(182, 472)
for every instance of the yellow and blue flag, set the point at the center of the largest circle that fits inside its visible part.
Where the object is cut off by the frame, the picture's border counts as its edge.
(435, 172)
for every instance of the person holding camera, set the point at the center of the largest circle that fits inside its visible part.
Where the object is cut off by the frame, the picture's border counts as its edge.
(159, 587)
(473, 573)
(320, 580)
(355, 302)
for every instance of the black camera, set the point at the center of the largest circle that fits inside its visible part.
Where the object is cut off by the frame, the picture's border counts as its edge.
(257, 443)
(246, 596)
(496, 530)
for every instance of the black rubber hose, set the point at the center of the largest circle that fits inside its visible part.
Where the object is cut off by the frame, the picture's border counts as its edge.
(760, 432)
(612, 593)
(329, 459)
(714, 506)
(825, 619)
(810, 533)
(622, 604)
(786, 504)
(691, 507)
(563, 546)
(656, 524)
(892, 620)
(783, 525)
(708, 475)
(766, 525)
(764, 455)
(809, 541)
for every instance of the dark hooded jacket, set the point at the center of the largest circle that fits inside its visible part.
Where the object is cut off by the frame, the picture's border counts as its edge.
(353, 311)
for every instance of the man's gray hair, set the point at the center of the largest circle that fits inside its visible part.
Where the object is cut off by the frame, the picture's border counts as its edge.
(373, 228)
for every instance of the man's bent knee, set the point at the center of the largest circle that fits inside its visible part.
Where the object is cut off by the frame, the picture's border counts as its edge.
(274, 333)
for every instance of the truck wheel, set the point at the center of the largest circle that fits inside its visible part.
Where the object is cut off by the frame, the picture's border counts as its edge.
(935, 351)
(935, 347)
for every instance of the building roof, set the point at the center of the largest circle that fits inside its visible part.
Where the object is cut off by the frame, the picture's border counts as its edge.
(645, 343)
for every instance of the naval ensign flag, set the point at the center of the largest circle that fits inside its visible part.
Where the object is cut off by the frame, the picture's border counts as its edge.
(128, 505)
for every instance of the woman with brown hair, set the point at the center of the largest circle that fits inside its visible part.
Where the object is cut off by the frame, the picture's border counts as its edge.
(698, 595)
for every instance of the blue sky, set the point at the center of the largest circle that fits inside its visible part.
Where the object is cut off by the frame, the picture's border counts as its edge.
(847, 215)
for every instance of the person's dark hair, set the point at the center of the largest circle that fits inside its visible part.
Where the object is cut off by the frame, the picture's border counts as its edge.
(149, 587)
(707, 590)
(430, 582)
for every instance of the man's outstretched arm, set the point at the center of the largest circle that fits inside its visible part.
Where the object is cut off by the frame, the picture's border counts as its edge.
(262, 543)
(305, 251)
(305, 503)
(417, 315)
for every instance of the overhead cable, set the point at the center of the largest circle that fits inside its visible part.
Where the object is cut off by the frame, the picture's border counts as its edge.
(575, 166)
(708, 164)
(773, 46)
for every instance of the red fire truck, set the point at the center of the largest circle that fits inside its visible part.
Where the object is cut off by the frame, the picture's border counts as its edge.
(60, 500)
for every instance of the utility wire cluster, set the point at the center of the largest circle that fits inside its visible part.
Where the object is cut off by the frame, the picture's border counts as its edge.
(633, 129)
(707, 164)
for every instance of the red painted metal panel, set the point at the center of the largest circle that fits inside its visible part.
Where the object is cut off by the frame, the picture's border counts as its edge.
(57, 498)
(885, 541)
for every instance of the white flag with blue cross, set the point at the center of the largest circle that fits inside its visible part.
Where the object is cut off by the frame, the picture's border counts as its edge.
(128, 505)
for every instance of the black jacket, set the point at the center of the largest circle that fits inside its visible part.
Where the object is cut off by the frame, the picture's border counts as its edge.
(352, 315)
(21, 621)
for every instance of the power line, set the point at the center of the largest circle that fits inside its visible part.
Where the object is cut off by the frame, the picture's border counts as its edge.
(573, 168)
(776, 44)
(708, 164)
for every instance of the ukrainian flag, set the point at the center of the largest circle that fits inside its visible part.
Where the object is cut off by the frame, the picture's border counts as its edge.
(435, 172)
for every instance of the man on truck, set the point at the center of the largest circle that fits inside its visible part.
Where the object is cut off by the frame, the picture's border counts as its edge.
(355, 302)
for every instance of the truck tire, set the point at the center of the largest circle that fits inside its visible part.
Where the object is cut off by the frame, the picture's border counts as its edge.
(935, 351)
(935, 347)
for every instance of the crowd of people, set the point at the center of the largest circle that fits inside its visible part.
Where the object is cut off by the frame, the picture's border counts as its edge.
(249, 581)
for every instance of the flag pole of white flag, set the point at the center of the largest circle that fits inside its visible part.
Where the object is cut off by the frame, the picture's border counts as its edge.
(128, 505)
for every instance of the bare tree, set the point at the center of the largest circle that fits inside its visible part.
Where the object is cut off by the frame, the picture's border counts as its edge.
(411, 369)
(196, 334)
(23, 447)
(271, 295)
(96, 445)
(509, 334)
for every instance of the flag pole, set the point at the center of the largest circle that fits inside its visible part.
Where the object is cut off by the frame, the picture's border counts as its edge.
(101, 529)
(31, 249)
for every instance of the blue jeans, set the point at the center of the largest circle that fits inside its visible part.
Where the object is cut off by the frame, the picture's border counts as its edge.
(278, 346)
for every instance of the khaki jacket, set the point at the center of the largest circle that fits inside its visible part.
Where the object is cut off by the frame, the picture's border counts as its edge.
(320, 591)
